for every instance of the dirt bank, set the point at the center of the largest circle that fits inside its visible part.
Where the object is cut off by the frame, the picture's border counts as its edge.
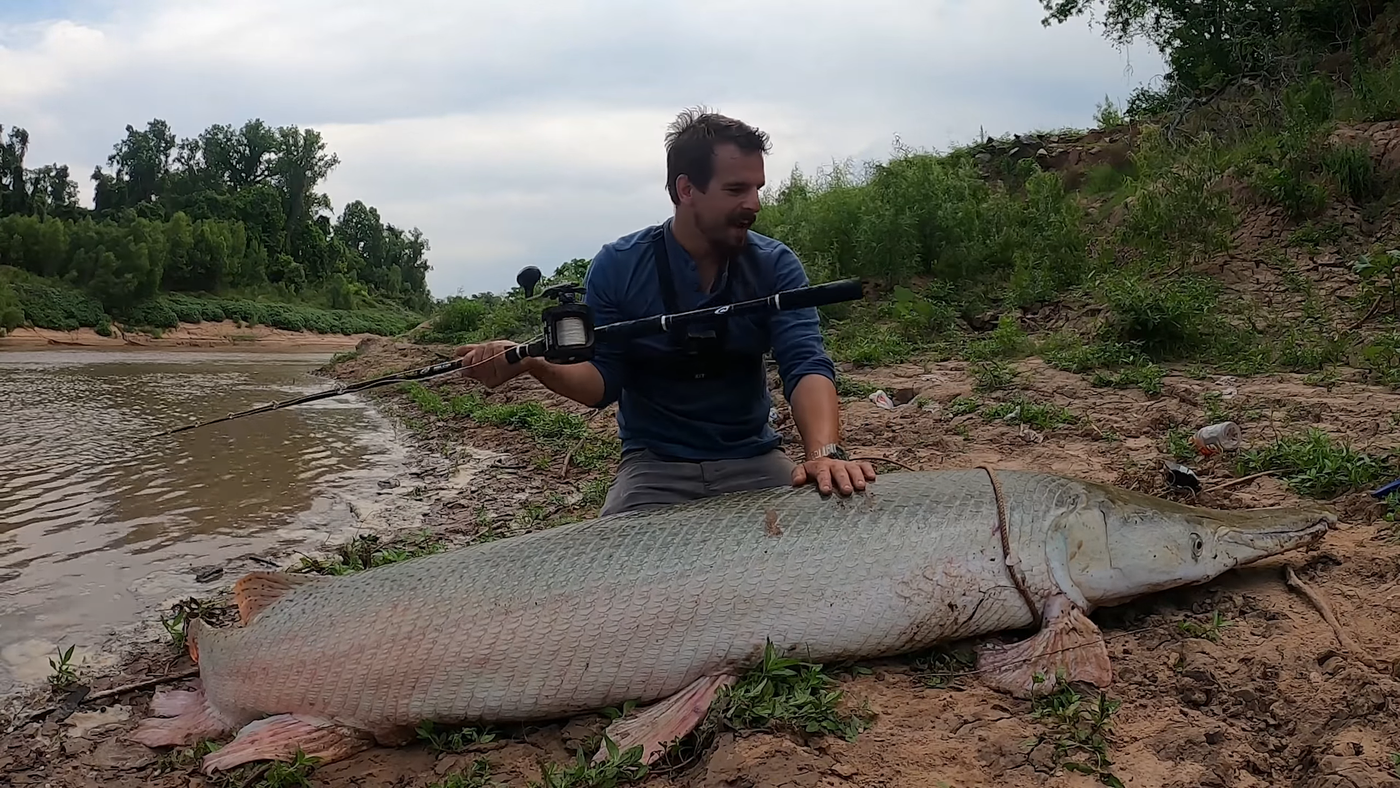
(186, 335)
(1237, 684)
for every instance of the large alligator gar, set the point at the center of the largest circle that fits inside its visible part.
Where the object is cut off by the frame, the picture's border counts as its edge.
(672, 604)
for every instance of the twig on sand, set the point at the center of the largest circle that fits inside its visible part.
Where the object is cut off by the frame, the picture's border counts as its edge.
(564, 471)
(1370, 313)
(1296, 583)
(882, 459)
(1241, 480)
(122, 690)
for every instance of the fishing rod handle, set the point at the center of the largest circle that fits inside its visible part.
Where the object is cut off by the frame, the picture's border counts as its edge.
(819, 295)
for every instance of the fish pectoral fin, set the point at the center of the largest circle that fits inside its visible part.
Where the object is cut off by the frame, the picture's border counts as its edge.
(279, 738)
(663, 723)
(1068, 647)
(180, 717)
(256, 591)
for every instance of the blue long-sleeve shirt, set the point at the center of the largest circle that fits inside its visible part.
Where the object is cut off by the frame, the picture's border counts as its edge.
(705, 419)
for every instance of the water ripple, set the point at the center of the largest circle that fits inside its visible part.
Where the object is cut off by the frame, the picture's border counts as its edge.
(94, 507)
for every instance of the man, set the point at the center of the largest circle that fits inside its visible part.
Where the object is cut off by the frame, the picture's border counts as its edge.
(693, 405)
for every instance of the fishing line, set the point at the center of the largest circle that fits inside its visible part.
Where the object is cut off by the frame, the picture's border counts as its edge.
(425, 373)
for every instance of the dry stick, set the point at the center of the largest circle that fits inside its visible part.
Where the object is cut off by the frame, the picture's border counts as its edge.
(1295, 583)
(122, 690)
(564, 471)
(883, 459)
(1370, 313)
(1241, 480)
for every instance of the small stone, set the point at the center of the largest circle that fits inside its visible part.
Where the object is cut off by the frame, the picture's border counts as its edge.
(842, 770)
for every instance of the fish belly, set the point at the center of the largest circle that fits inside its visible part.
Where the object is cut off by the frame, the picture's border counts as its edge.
(629, 607)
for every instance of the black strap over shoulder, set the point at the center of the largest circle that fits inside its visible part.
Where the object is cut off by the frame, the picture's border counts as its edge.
(700, 350)
(703, 338)
(663, 270)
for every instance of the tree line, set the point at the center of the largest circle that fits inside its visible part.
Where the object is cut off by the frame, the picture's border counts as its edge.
(229, 211)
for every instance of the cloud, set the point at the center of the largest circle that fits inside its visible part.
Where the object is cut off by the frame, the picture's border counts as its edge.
(531, 133)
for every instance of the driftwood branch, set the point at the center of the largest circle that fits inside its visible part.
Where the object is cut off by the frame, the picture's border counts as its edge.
(1296, 583)
(122, 690)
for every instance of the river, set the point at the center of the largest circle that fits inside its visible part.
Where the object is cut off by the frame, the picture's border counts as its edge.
(103, 525)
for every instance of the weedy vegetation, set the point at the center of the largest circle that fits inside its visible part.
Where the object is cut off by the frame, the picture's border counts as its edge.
(1078, 731)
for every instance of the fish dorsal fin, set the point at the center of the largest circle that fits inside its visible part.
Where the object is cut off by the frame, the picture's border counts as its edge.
(256, 591)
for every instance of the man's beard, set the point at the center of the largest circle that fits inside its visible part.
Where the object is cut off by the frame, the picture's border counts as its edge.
(730, 234)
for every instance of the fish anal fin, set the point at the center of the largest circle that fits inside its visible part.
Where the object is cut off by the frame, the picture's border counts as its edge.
(180, 717)
(281, 737)
(1068, 647)
(661, 724)
(256, 591)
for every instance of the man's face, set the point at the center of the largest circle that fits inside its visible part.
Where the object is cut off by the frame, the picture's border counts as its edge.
(725, 211)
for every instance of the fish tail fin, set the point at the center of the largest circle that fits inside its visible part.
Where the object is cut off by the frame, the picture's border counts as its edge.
(281, 737)
(180, 717)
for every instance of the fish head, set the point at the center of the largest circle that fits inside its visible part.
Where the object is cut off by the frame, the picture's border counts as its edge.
(1120, 544)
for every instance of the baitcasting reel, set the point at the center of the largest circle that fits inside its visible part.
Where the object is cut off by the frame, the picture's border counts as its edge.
(568, 326)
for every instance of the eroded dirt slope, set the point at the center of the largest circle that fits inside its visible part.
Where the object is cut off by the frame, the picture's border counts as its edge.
(1263, 694)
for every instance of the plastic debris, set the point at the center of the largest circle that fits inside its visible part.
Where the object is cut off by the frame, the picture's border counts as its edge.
(1180, 476)
(1385, 490)
(1213, 439)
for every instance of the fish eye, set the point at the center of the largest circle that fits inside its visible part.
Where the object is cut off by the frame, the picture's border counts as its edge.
(1197, 546)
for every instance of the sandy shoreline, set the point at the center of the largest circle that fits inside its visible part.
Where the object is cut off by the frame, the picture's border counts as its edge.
(203, 336)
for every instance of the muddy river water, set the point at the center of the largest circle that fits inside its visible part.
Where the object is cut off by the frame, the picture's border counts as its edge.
(103, 525)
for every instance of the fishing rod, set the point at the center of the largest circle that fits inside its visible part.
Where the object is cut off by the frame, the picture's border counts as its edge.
(569, 335)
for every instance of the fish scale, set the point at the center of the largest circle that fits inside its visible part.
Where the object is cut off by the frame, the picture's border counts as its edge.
(633, 607)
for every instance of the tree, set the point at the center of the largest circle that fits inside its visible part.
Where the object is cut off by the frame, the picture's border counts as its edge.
(1210, 44)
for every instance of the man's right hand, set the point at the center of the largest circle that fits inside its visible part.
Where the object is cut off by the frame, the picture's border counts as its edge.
(486, 362)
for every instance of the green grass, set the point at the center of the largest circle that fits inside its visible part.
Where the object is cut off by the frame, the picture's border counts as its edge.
(788, 694)
(555, 431)
(1078, 731)
(368, 550)
(1313, 464)
(1038, 415)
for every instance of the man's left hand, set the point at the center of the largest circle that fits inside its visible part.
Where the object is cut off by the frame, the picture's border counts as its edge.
(845, 476)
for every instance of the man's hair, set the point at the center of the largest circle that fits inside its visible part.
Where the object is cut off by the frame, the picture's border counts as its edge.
(691, 141)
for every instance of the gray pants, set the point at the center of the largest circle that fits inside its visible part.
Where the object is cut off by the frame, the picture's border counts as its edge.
(645, 480)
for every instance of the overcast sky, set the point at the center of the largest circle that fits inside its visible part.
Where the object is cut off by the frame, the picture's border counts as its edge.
(534, 136)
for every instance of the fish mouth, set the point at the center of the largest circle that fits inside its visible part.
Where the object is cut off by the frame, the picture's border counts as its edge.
(1263, 543)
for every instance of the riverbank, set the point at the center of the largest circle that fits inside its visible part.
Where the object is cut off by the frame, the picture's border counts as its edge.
(226, 333)
(1240, 683)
